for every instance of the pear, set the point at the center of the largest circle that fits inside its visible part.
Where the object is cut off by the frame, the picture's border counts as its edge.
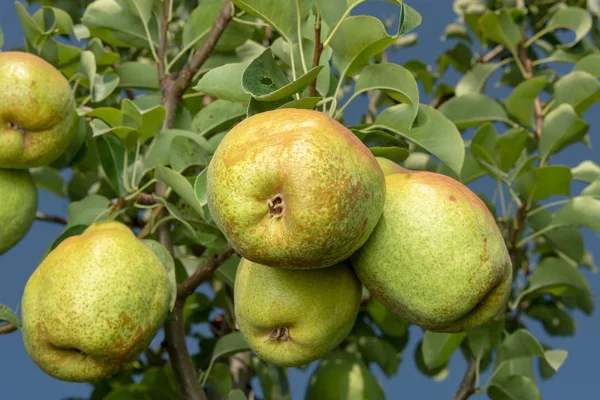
(294, 188)
(389, 167)
(37, 111)
(343, 376)
(292, 317)
(18, 206)
(436, 257)
(94, 304)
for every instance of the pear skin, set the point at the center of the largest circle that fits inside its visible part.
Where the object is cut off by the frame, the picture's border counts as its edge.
(292, 317)
(389, 167)
(294, 188)
(18, 206)
(38, 119)
(436, 257)
(94, 304)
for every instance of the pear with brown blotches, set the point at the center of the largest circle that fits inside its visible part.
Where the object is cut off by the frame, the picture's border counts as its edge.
(436, 257)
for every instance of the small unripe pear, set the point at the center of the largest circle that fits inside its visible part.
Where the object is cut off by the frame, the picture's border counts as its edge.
(94, 304)
(294, 188)
(18, 206)
(292, 317)
(436, 257)
(37, 111)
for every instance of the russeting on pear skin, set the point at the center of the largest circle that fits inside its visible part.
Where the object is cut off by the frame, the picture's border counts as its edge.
(294, 188)
(18, 206)
(436, 257)
(37, 111)
(292, 317)
(94, 304)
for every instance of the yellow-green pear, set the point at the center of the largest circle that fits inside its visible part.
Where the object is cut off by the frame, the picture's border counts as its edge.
(18, 206)
(436, 257)
(343, 376)
(292, 317)
(389, 167)
(94, 304)
(294, 188)
(37, 111)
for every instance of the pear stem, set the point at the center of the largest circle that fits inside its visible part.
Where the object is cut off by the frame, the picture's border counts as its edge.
(172, 86)
(7, 328)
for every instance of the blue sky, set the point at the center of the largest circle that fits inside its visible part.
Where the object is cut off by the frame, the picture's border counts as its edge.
(21, 379)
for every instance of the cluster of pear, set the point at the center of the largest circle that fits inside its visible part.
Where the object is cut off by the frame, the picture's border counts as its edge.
(98, 298)
(315, 217)
(37, 124)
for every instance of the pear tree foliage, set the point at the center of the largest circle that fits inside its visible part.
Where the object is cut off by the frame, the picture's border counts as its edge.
(528, 71)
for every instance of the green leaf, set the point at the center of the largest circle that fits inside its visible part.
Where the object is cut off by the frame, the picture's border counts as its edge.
(273, 380)
(281, 15)
(567, 240)
(113, 22)
(541, 183)
(438, 347)
(522, 344)
(225, 82)
(381, 352)
(395, 80)
(561, 127)
(166, 260)
(87, 211)
(589, 64)
(7, 315)
(579, 89)
(520, 103)
(158, 152)
(575, 19)
(510, 147)
(482, 339)
(556, 321)
(437, 374)
(180, 185)
(580, 211)
(137, 75)
(112, 158)
(484, 144)
(501, 28)
(226, 272)
(49, 179)
(472, 110)
(587, 171)
(227, 345)
(185, 152)
(200, 188)
(306, 103)
(220, 378)
(515, 387)
(53, 21)
(389, 323)
(430, 130)
(30, 28)
(236, 394)
(554, 276)
(265, 81)
(474, 80)
(103, 86)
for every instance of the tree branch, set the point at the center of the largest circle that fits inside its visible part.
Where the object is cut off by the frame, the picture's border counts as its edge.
(7, 328)
(190, 285)
(40, 216)
(172, 88)
(317, 53)
(495, 52)
(538, 110)
(467, 388)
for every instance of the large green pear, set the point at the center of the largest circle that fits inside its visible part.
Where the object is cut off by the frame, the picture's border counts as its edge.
(343, 376)
(94, 304)
(37, 111)
(436, 257)
(17, 206)
(292, 317)
(294, 188)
